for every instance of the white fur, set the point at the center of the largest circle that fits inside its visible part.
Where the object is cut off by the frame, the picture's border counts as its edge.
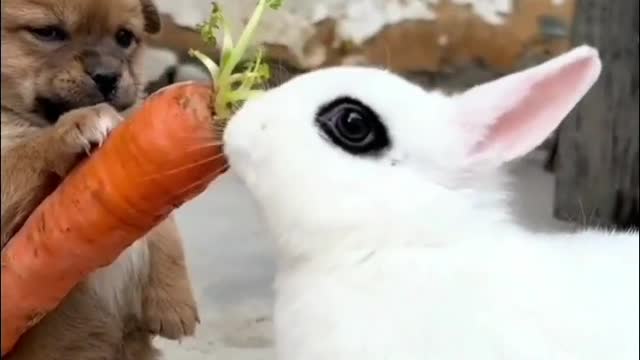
(119, 284)
(413, 255)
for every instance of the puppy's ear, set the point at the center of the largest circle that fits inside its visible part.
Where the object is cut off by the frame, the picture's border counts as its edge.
(151, 17)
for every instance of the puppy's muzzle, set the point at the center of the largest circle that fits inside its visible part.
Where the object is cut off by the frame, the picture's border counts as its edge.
(105, 71)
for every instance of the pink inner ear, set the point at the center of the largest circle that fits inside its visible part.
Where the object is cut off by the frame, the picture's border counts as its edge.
(530, 104)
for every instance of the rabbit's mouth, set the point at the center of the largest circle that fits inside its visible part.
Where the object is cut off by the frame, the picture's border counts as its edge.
(238, 150)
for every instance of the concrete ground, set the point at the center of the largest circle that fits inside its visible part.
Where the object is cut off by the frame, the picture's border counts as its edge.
(232, 266)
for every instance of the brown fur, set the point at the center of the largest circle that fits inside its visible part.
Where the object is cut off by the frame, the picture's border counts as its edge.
(52, 113)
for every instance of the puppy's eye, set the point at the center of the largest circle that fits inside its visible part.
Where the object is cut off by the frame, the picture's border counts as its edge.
(125, 38)
(49, 33)
(352, 126)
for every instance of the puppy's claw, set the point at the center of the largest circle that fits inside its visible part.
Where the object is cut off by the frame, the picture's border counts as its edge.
(174, 325)
(170, 318)
(82, 130)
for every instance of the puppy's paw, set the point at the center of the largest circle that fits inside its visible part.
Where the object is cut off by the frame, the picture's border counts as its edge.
(171, 316)
(85, 128)
(79, 131)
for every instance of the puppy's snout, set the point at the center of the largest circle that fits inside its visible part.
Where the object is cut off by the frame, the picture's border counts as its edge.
(105, 71)
(106, 82)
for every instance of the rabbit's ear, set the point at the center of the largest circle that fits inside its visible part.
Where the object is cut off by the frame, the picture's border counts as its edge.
(508, 117)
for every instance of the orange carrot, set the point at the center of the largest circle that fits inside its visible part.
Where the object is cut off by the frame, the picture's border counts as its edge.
(164, 155)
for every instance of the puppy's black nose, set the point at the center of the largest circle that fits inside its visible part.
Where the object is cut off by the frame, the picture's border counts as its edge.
(106, 82)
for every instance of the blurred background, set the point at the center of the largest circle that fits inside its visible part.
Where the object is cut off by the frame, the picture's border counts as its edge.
(584, 175)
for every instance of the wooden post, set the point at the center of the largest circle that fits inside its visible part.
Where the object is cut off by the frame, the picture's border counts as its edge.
(597, 159)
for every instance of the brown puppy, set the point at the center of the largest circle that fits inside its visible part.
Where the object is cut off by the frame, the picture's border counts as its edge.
(67, 67)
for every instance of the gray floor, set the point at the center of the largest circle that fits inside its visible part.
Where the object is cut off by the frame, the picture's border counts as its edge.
(232, 266)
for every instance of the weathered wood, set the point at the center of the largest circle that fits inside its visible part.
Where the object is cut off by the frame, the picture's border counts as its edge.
(597, 160)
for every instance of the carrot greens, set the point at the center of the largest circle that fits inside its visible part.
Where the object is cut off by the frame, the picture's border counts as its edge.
(231, 88)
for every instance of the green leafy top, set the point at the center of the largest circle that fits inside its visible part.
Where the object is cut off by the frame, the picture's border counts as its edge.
(231, 89)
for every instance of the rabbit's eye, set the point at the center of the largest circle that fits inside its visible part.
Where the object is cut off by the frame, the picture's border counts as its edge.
(352, 126)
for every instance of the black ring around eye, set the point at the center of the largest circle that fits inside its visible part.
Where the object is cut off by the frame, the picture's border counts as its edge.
(353, 126)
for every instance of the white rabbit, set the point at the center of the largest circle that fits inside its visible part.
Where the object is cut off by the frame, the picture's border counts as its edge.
(387, 209)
